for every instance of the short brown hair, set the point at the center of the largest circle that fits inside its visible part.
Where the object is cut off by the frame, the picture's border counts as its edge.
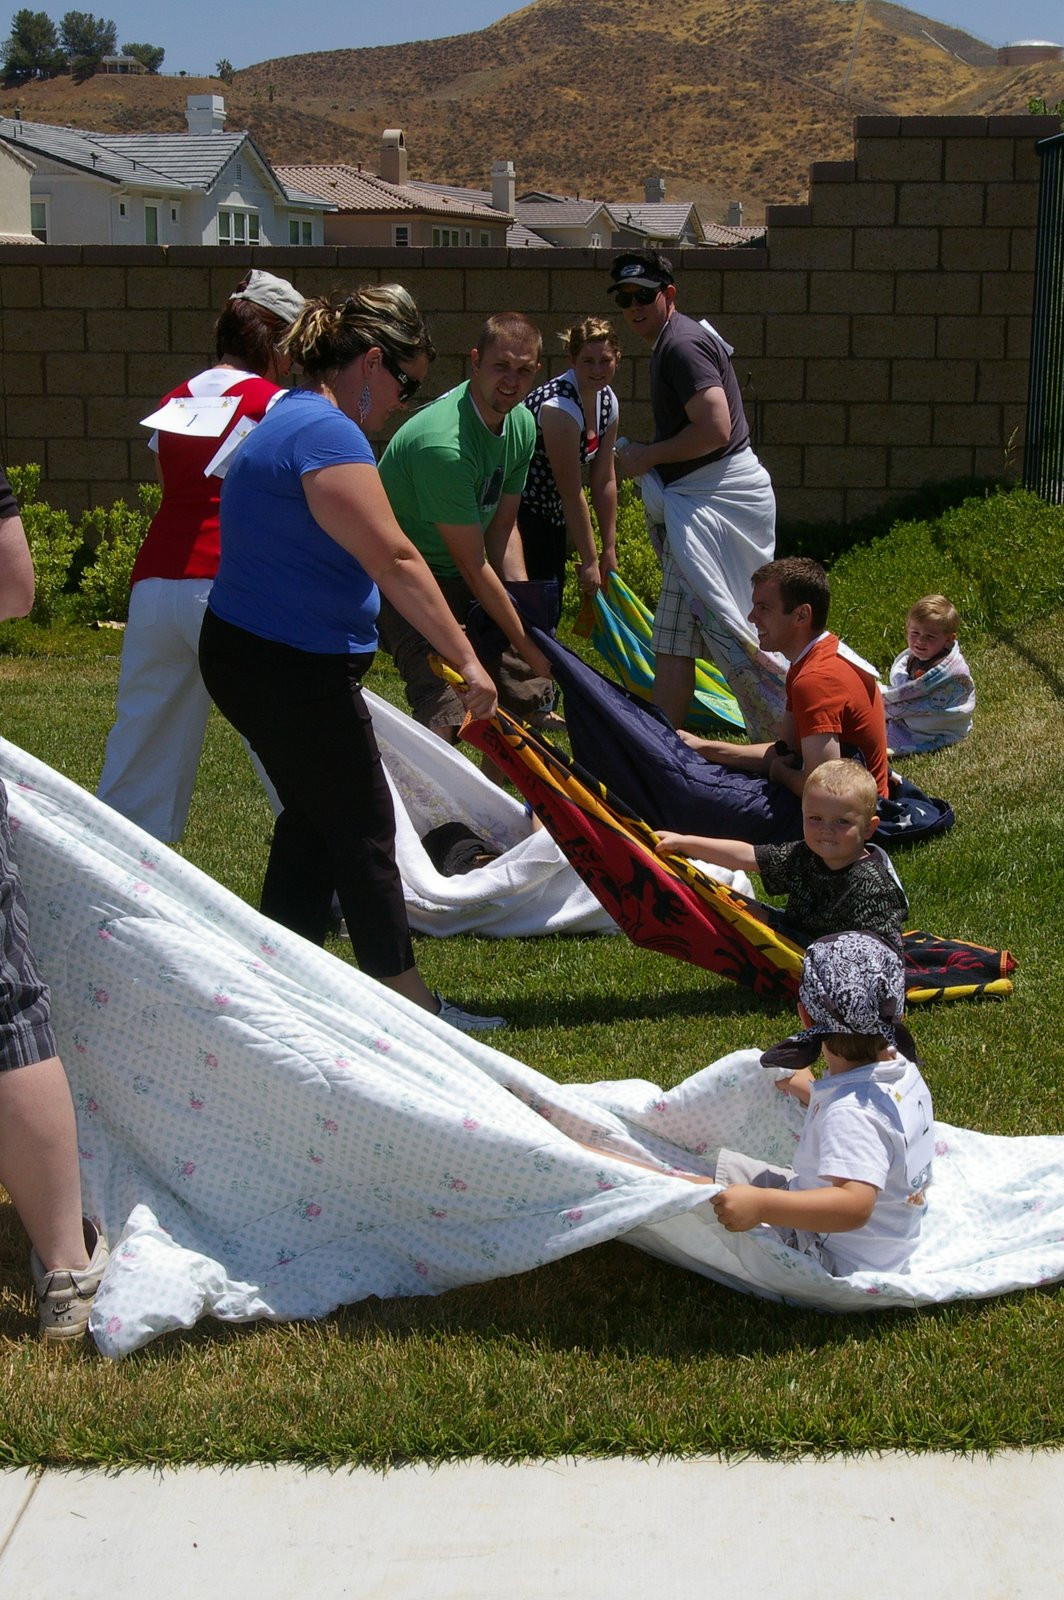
(510, 325)
(248, 334)
(935, 611)
(855, 1047)
(846, 780)
(802, 582)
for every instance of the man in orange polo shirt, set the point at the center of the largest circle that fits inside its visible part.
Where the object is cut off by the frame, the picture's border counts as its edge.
(834, 706)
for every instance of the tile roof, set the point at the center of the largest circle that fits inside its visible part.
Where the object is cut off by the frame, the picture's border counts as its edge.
(193, 160)
(559, 213)
(351, 190)
(563, 212)
(172, 162)
(518, 237)
(664, 219)
(530, 196)
(719, 233)
(73, 148)
(453, 191)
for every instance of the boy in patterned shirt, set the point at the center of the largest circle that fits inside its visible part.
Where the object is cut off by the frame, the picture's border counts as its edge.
(834, 879)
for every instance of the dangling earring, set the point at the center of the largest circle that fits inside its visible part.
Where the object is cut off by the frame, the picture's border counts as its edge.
(365, 401)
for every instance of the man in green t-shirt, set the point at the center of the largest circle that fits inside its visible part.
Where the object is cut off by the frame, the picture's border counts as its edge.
(454, 475)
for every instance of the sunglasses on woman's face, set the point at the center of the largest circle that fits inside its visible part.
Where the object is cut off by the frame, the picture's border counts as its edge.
(639, 297)
(408, 386)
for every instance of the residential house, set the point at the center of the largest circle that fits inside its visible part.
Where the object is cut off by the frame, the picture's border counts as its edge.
(367, 208)
(124, 65)
(16, 209)
(544, 218)
(205, 186)
(654, 223)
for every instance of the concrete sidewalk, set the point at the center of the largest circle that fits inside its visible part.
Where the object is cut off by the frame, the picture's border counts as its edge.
(937, 1527)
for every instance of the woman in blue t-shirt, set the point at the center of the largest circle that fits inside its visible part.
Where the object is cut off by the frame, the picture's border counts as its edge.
(290, 630)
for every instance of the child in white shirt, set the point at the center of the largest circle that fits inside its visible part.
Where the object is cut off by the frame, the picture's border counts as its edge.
(855, 1195)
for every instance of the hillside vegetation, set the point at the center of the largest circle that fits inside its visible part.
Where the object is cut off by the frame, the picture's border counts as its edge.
(727, 99)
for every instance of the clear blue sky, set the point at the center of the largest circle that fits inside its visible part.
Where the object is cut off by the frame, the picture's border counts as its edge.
(198, 33)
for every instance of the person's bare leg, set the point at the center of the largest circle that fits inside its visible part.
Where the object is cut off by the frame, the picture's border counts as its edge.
(39, 1161)
(674, 687)
(412, 986)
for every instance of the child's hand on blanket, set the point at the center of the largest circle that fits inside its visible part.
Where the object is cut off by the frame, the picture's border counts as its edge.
(738, 1208)
(797, 1084)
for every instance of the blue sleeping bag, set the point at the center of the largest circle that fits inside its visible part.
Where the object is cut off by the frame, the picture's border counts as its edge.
(633, 749)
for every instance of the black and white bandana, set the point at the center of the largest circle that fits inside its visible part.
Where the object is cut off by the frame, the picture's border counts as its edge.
(851, 983)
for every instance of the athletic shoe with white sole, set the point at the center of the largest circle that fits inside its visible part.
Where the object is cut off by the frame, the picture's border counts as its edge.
(466, 1021)
(65, 1296)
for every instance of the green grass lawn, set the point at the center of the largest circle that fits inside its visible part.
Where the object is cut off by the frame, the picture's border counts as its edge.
(610, 1351)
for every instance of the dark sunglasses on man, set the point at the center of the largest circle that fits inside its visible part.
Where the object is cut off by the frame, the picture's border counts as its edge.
(408, 386)
(639, 297)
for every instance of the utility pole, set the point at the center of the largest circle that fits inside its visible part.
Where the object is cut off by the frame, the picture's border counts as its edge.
(853, 52)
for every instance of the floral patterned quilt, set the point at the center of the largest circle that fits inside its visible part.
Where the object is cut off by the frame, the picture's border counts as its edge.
(266, 1133)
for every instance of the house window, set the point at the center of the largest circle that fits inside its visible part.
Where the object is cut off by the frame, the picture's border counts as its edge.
(122, 209)
(446, 237)
(238, 227)
(39, 220)
(596, 241)
(401, 235)
(151, 224)
(175, 214)
(300, 232)
(485, 240)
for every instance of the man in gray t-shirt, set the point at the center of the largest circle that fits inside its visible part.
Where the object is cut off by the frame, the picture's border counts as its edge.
(719, 518)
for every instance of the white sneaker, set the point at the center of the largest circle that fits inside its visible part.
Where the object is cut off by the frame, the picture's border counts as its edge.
(64, 1296)
(466, 1021)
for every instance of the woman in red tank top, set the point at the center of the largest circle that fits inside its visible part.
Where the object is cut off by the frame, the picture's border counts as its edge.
(153, 749)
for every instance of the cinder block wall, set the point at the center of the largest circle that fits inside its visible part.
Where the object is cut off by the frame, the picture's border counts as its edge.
(881, 340)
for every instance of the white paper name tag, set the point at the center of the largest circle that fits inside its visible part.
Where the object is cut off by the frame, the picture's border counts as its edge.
(220, 462)
(201, 417)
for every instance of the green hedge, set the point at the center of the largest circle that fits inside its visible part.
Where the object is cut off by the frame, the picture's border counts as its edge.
(82, 573)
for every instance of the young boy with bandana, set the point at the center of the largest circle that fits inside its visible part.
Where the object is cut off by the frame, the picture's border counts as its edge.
(855, 1195)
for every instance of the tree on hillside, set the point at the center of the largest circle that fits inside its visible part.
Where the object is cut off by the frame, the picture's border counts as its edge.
(33, 50)
(86, 39)
(225, 70)
(150, 55)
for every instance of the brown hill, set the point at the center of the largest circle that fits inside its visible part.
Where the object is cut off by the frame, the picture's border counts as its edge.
(727, 99)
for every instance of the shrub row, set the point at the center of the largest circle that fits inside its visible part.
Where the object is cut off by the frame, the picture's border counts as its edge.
(82, 571)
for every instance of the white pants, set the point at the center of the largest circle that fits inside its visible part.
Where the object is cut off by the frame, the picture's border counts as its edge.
(720, 526)
(153, 750)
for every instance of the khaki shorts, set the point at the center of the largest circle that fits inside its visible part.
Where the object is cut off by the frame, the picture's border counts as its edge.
(434, 703)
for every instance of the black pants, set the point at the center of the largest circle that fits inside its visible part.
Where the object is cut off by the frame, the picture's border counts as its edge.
(306, 720)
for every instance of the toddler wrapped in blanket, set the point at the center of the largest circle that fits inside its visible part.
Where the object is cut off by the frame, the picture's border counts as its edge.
(931, 697)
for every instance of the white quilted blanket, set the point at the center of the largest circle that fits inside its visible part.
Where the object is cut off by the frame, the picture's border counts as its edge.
(266, 1133)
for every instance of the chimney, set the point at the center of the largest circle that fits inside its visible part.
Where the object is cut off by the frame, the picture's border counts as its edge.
(393, 156)
(654, 191)
(503, 186)
(735, 213)
(205, 113)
